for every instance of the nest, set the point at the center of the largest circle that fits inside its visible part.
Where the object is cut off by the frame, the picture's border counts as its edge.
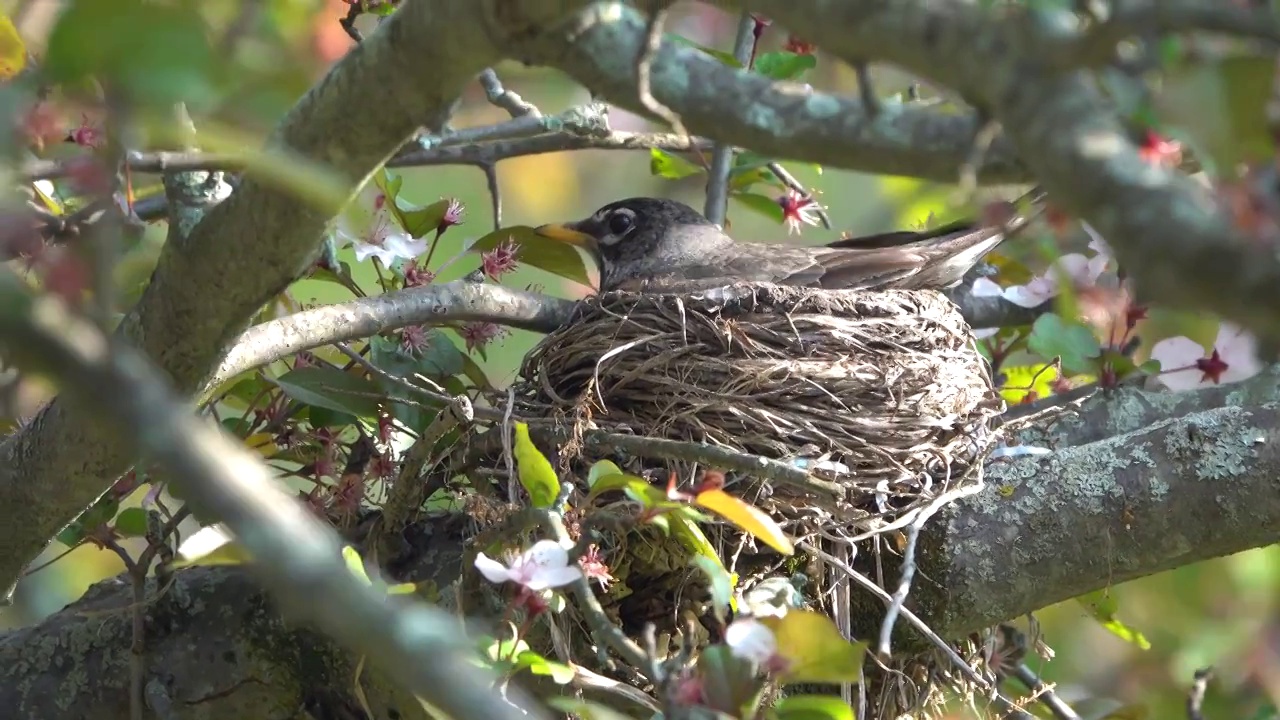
(882, 397)
(882, 392)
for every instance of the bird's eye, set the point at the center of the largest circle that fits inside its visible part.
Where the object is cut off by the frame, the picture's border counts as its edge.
(620, 223)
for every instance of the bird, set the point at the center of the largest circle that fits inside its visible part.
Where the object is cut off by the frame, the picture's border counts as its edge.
(655, 244)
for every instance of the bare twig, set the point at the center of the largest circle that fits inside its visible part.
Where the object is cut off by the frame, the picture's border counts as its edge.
(867, 90)
(506, 99)
(644, 69)
(722, 154)
(495, 191)
(1044, 693)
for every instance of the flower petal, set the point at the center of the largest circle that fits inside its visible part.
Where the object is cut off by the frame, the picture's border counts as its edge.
(751, 640)
(492, 570)
(546, 554)
(986, 287)
(553, 577)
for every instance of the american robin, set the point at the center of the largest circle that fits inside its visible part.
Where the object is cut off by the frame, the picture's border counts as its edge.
(656, 244)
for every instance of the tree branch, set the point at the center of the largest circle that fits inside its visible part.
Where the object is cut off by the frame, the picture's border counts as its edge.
(782, 119)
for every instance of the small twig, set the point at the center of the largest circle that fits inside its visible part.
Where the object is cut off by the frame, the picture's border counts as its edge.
(911, 617)
(790, 181)
(1044, 693)
(1195, 699)
(909, 560)
(717, 204)
(644, 61)
(348, 22)
(982, 140)
(508, 452)
(867, 91)
(495, 192)
(506, 99)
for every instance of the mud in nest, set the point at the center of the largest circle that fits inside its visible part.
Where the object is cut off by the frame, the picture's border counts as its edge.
(882, 392)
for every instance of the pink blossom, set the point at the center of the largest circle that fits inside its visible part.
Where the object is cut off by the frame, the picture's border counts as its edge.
(545, 565)
(799, 210)
(1185, 365)
(370, 227)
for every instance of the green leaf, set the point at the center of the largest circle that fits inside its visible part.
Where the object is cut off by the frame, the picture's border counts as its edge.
(418, 221)
(389, 183)
(537, 476)
(132, 522)
(355, 564)
(599, 470)
(813, 707)
(672, 167)
(331, 388)
(764, 205)
(1103, 606)
(783, 65)
(689, 535)
(1074, 342)
(97, 515)
(815, 649)
(543, 253)
(722, 583)
(159, 53)
(538, 665)
(438, 359)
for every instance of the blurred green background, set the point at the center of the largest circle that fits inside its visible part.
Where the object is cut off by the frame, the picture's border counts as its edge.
(1221, 613)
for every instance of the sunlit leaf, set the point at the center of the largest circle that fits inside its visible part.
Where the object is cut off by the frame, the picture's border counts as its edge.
(418, 221)
(226, 553)
(1103, 607)
(784, 65)
(814, 648)
(539, 665)
(329, 387)
(13, 52)
(672, 167)
(689, 535)
(812, 707)
(1023, 380)
(537, 476)
(601, 469)
(543, 253)
(355, 564)
(746, 517)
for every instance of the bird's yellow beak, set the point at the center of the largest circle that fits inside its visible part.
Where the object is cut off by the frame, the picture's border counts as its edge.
(566, 234)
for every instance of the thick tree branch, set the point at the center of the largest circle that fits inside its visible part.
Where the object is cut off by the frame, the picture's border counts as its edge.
(246, 250)
(783, 119)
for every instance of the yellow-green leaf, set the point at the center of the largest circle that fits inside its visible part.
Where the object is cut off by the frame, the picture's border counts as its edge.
(815, 650)
(537, 476)
(231, 553)
(1103, 606)
(722, 584)
(355, 564)
(692, 538)
(13, 52)
(747, 517)
(672, 167)
(541, 252)
(813, 707)
(601, 469)
(1036, 380)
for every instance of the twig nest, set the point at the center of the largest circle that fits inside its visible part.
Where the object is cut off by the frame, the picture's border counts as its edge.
(883, 392)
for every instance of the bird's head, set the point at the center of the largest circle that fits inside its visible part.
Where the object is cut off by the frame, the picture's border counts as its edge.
(631, 233)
